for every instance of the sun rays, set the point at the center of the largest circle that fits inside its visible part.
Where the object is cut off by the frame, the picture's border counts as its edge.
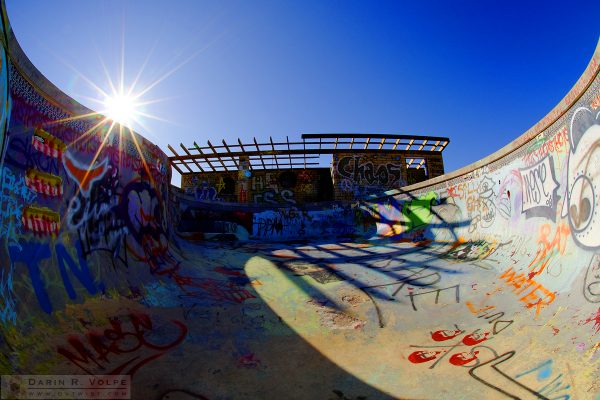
(121, 108)
(120, 111)
(118, 101)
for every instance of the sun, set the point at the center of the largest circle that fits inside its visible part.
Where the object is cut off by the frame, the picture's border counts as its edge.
(121, 108)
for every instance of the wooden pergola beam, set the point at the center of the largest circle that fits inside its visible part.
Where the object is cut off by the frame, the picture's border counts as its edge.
(174, 165)
(259, 153)
(203, 156)
(312, 146)
(207, 157)
(229, 152)
(189, 154)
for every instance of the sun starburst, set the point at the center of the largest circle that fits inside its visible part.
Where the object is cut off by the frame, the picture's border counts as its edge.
(120, 105)
(122, 108)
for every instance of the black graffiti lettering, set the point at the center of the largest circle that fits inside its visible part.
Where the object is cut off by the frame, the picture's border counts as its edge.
(591, 285)
(395, 171)
(269, 226)
(414, 279)
(368, 173)
(555, 386)
(437, 295)
(377, 309)
(382, 174)
(495, 316)
(420, 281)
(534, 182)
(489, 374)
(495, 327)
(93, 216)
(359, 171)
(342, 167)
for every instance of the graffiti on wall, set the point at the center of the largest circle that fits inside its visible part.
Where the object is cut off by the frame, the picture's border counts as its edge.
(122, 348)
(549, 383)
(534, 295)
(145, 219)
(552, 243)
(368, 173)
(15, 195)
(94, 212)
(543, 146)
(23, 156)
(84, 175)
(8, 302)
(591, 285)
(205, 192)
(293, 223)
(509, 199)
(418, 212)
(463, 352)
(361, 175)
(583, 179)
(265, 187)
(275, 197)
(539, 189)
(402, 216)
(479, 198)
(32, 254)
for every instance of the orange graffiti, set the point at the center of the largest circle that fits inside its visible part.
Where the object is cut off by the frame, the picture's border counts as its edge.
(474, 311)
(595, 103)
(522, 284)
(547, 249)
(452, 191)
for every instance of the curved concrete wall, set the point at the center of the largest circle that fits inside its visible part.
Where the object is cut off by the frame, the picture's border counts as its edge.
(482, 283)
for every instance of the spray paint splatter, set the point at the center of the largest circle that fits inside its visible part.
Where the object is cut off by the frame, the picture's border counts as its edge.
(595, 319)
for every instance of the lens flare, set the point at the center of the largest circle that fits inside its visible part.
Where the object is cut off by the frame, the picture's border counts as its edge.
(121, 108)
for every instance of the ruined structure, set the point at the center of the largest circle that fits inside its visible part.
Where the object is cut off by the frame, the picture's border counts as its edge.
(284, 172)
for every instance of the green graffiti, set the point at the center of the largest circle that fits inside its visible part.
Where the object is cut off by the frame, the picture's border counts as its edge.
(417, 212)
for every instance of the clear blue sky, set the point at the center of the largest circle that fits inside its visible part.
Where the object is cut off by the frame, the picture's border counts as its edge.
(477, 72)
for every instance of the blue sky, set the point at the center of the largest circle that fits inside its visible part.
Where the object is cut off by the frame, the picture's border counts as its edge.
(477, 72)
